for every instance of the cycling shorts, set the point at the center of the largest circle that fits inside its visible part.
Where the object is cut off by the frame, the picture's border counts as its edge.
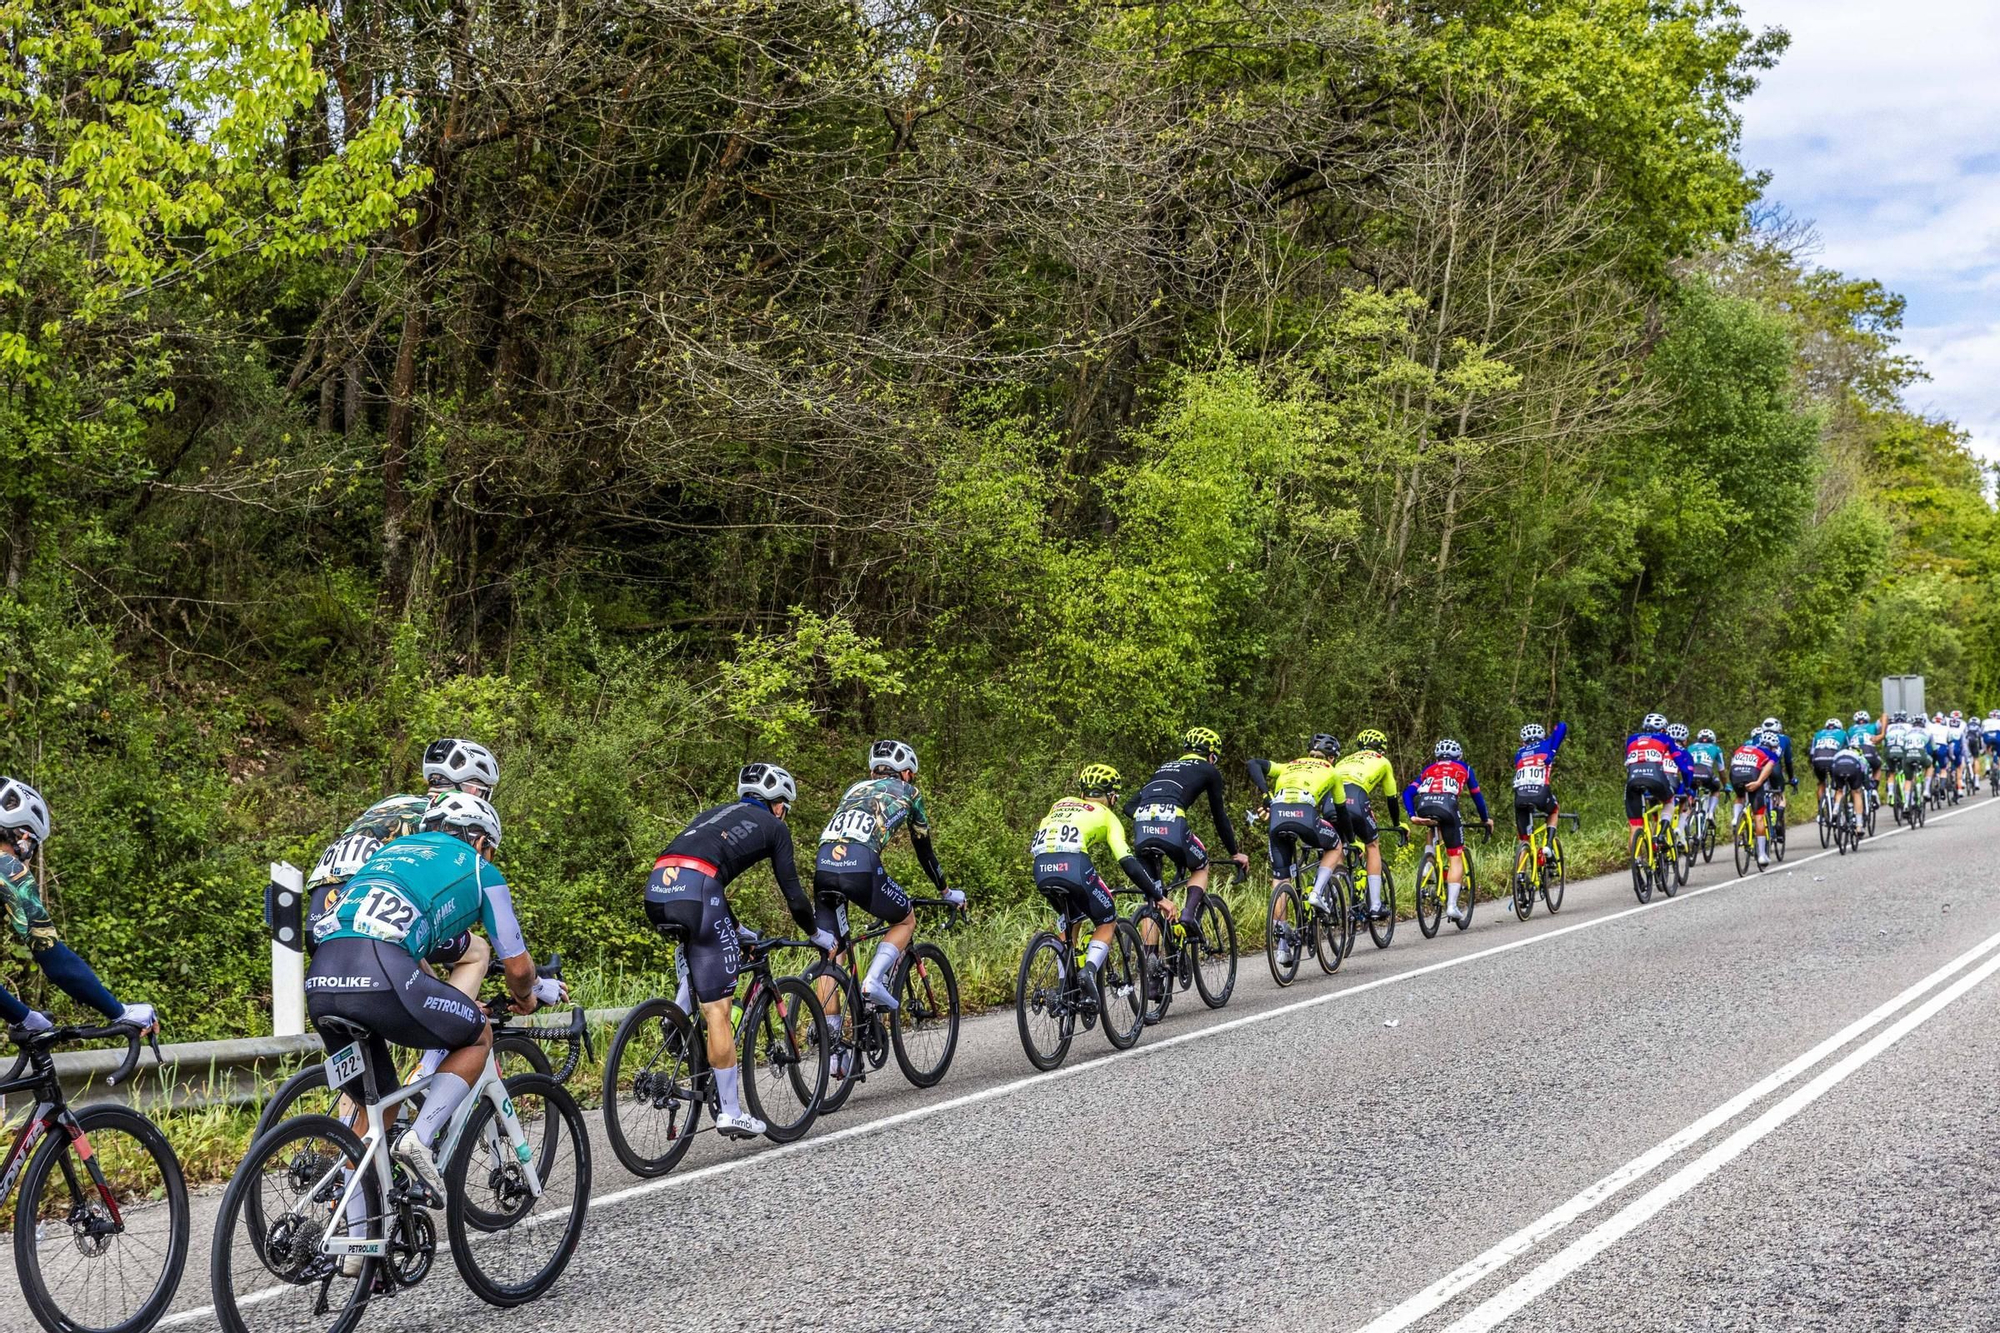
(1644, 779)
(1293, 827)
(1443, 811)
(378, 986)
(1171, 839)
(1822, 765)
(1849, 771)
(1353, 817)
(1529, 802)
(856, 877)
(683, 902)
(1074, 888)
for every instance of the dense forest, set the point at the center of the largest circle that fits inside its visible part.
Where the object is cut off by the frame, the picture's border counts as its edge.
(643, 385)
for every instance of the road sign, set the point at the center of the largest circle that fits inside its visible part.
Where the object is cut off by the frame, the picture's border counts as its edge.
(1903, 692)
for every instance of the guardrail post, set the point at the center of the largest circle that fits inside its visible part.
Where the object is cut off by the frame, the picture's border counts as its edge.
(284, 916)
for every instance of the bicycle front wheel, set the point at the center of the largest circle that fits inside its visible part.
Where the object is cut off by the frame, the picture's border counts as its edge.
(509, 1241)
(924, 1030)
(1215, 952)
(1430, 896)
(1121, 988)
(101, 1225)
(273, 1276)
(783, 1047)
(1041, 1005)
(652, 1104)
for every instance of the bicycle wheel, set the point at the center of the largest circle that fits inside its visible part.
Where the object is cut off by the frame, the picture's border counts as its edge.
(843, 1062)
(1663, 864)
(924, 1031)
(1524, 882)
(1335, 939)
(1683, 862)
(1215, 951)
(652, 1088)
(1707, 838)
(1825, 822)
(782, 1045)
(1159, 990)
(1384, 930)
(1284, 934)
(274, 1277)
(509, 1242)
(1041, 1008)
(101, 1227)
(1553, 882)
(1642, 871)
(1121, 988)
(1469, 895)
(1776, 823)
(1430, 896)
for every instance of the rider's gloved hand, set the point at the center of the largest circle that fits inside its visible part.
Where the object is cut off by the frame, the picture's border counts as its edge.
(549, 990)
(955, 897)
(36, 1021)
(825, 941)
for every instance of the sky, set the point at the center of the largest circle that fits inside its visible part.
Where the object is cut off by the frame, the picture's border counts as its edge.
(1881, 125)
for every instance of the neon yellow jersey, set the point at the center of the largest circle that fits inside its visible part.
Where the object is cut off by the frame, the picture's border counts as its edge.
(1302, 782)
(1371, 771)
(1075, 824)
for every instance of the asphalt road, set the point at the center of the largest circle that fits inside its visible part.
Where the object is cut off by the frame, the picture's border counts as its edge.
(1764, 1104)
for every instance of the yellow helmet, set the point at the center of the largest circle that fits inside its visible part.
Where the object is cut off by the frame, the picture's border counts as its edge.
(1202, 740)
(1371, 739)
(1098, 780)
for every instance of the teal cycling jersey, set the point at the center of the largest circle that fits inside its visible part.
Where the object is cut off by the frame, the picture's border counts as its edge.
(1706, 752)
(422, 889)
(1827, 742)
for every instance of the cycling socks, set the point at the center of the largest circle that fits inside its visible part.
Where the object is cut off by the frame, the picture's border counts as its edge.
(440, 1100)
(1451, 897)
(432, 1059)
(885, 958)
(77, 980)
(1094, 958)
(1324, 878)
(684, 997)
(1374, 893)
(727, 1082)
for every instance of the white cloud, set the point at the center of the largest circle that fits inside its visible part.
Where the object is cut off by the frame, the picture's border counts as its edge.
(1961, 360)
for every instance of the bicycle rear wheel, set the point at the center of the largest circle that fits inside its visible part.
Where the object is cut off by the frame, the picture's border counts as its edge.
(271, 1277)
(843, 1036)
(783, 1047)
(1469, 895)
(1553, 882)
(924, 1030)
(1041, 1005)
(1335, 937)
(1524, 882)
(1215, 951)
(1122, 986)
(652, 1082)
(101, 1226)
(1825, 822)
(1663, 865)
(1642, 872)
(1284, 933)
(523, 1240)
(1159, 988)
(1384, 930)
(1430, 895)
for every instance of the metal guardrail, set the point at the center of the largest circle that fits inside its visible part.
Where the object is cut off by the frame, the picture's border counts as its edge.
(196, 1074)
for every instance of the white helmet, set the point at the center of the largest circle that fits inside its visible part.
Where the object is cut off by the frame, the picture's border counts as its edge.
(1653, 722)
(1678, 733)
(896, 756)
(447, 763)
(22, 807)
(1770, 724)
(462, 810)
(1533, 733)
(1862, 715)
(1770, 740)
(767, 782)
(1448, 749)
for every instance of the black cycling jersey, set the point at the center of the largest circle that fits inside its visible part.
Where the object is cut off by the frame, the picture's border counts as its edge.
(734, 837)
(1179, 783)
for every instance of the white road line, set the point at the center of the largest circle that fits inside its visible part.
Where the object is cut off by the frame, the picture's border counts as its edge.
(1628, 1219)
(781, 1151)
(1527, 1238)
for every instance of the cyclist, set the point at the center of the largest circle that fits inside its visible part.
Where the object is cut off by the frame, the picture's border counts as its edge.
(1654, 763)
(1534, 777)
(685, 896)
(1677, 732)
(1773, 726)
(1866, 733)
(1159, 815)
(24, 827)
(1938, 745)
(1704, 769)
(1849, 773)
(430, 885)
(1955, 729)
(1069, 879)
(1903, 741)
(1433, 799)
(1828, 741)
(1989, 734)
(1356, 776)
(1752, 771)
(849, 866)
(1975, 749)
(1295, 794)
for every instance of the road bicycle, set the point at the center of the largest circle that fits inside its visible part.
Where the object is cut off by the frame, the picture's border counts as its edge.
(1825, 819)
(1297, 925)
(1701, 824)
(1745, 831)
(1381, 929)
(922, 1031)
(336, 1224)
(1847, 829)
(1538, 868)
(1433, 888)
(1907, 797)
(517, 1047)
(101, 1222)
(1200, 954)
(1052, 995)
(1653, 851)
(657, 1078)
(1993, 774)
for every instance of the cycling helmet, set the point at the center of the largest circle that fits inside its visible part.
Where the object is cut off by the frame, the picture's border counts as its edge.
(1861, 715)
(1832, 724)
(1098, 780)
(1324, 743)
(896, 756)
(1532, 733)
(1771, 724)
(452, 763)
(1678, 733)
(1654, 722)
(766, 782)
(1770, 740)
(1900, 715)
(1706, 736)
(1447, 749)
(1202, 740)
(461, 811)
(22, 807)
(1372, 739)
(1957, 716)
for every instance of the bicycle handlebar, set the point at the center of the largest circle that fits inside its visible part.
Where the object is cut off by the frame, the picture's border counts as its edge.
(29, 1042)
(954, 912)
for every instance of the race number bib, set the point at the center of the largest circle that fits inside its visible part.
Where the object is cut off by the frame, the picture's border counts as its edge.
(856, 825)
(385, 915)
(1532, 774)
(1057, 838)
(1156, 814)
(343, 858)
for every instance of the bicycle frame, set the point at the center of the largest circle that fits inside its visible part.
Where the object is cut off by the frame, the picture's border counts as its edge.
(375, 1157)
